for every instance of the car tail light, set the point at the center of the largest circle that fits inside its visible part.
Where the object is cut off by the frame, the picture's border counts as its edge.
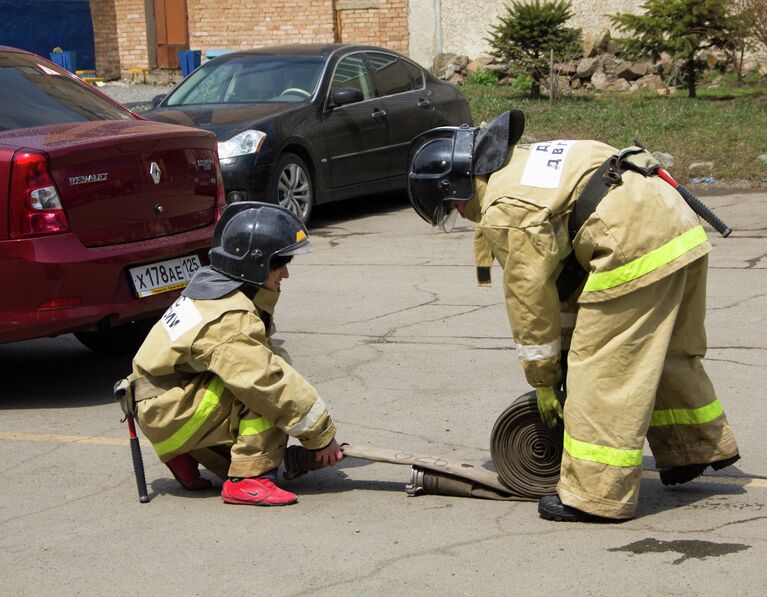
(35, 205)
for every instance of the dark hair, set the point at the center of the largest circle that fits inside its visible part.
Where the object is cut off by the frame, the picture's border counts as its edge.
(278, 261)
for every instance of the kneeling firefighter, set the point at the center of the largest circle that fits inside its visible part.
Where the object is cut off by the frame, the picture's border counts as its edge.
(208, 386)
(580, 228)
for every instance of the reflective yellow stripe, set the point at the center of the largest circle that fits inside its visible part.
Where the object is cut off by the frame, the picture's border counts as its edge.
(209, 401)
(647, 263)
(254, 426)
(687, 416)
(603, 454)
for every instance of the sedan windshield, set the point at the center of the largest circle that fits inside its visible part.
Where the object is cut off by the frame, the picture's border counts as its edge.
(35, 93)
(250, 79)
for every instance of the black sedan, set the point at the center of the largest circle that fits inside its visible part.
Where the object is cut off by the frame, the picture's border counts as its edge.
(303, 125)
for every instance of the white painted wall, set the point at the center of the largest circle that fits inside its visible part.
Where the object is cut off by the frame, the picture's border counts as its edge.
(466, 24)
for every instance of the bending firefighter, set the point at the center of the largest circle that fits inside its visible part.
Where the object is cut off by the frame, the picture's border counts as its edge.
(582, 229)
(208, 386)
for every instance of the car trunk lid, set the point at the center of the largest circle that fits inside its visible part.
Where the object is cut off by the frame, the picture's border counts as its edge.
(125, 181)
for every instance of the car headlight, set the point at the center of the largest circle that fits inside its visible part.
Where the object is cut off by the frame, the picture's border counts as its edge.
(242, 144)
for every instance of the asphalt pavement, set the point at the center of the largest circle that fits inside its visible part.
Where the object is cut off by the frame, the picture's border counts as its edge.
(385, 320)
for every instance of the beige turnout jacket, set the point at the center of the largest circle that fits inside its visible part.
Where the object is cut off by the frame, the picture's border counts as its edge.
(226, 344)
(641, 232)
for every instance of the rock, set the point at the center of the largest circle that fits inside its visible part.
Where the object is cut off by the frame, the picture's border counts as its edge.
(602, 40)
(700, 167)
(586, 67)
(631, 71)
(649, 82)
(478, 64)
(619, 85)
(457, 79)
(567, 69)
(666, 159)
(441, 61)
(589, 50)
(461, 62)
(499, 69)
(762, 158)
(576, 83)
(664, 66)
(600, 81)
(527, 139)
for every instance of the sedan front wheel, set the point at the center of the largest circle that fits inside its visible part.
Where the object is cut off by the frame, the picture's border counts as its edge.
(293, 187)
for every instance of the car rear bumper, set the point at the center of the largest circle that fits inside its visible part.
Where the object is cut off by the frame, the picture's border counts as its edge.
(36, 270)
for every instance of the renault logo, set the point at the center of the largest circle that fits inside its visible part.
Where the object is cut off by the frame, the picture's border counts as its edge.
(155, 172)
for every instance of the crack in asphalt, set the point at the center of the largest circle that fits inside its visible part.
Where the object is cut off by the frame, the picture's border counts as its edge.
(428, 440)
(380, 566)
(87, 496)
(737, 303)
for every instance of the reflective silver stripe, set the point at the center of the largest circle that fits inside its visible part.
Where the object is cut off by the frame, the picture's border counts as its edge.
(309, 419)
(538, 352)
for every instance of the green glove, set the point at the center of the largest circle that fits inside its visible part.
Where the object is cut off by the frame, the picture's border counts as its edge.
(548, 405)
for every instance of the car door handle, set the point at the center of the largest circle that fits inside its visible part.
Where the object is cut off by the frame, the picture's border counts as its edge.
(424, 102)
(378, 113)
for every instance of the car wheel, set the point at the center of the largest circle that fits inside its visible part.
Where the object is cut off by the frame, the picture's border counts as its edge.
(121, 340)
(293, 188)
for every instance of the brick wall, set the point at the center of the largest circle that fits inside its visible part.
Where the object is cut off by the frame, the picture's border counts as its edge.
(131, 34)
(243, 24)
(105, 38)
(375, 22)
(122, 41)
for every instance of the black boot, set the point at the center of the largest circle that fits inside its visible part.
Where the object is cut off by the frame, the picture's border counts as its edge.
(551, 507)
(674, 475)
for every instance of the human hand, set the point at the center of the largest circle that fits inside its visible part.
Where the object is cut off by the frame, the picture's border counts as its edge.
(330, 454)
(548, 406)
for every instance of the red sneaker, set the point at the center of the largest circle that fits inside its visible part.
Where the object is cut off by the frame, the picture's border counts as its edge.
(256, 492)
(184, 468)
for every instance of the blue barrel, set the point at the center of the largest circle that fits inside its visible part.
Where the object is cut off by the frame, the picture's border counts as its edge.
(189, 60)
(67, 60)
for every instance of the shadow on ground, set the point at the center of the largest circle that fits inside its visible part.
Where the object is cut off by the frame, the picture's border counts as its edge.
(57, 373)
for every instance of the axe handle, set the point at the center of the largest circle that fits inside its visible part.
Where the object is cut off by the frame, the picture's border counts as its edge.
(138, 462)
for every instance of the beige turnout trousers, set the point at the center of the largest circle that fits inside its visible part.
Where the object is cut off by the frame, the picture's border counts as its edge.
(634, 371)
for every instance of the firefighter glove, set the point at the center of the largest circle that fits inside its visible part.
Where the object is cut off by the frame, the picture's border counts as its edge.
(548, 405)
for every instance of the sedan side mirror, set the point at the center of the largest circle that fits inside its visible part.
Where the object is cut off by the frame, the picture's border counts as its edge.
(156, 100)
(346, 95)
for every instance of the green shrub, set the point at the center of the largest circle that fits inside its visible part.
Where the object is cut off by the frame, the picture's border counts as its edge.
(681, 28)
(522, 83)
(483, 77)
(529, 31)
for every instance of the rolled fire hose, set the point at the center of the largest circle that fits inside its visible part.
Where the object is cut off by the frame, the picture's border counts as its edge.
(525, 452)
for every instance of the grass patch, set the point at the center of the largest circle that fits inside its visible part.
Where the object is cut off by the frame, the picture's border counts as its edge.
(726, 125)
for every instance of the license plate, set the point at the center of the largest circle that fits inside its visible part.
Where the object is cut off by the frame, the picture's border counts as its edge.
(163, 276)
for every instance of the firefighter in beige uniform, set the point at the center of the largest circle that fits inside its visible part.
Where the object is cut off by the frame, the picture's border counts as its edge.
(230, 392)
(634, 367)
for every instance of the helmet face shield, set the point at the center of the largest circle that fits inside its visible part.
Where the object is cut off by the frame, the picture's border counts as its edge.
(445, 217)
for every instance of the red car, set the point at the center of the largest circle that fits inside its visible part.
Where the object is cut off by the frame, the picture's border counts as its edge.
(104, 216)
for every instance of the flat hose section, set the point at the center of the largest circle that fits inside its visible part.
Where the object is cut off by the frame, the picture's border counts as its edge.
(526, 453)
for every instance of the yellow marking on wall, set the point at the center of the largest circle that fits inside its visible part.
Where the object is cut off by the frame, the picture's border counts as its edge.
(63, 439)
